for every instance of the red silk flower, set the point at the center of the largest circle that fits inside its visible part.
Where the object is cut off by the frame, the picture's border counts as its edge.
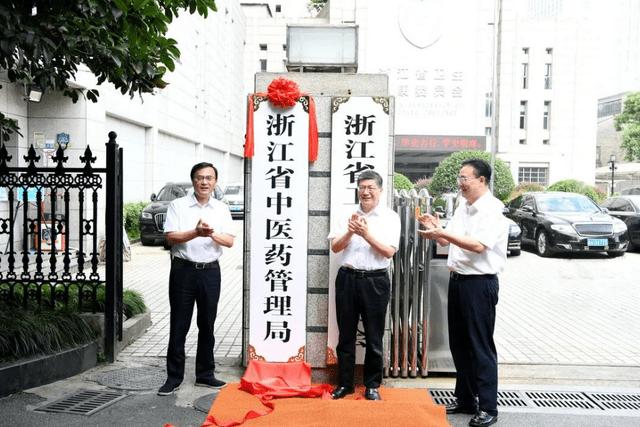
(283, 93)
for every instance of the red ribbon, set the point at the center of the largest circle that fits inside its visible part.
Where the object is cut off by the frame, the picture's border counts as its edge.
(283, 93)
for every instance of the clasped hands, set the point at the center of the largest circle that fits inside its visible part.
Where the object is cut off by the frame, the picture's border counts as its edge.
(203, 229)
(358, 225)
(432, 228)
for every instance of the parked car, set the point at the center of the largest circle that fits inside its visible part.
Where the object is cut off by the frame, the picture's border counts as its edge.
(445, 205)
(153, 215)
(234, 193)
(627, 209)
(567, 222)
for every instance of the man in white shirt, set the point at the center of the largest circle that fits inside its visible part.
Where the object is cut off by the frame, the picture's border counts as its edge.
(197, 227)
(477, 234)
(367, 239)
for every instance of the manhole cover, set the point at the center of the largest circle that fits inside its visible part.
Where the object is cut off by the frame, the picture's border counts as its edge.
(204, 403)
(145, 378)
(83, 402)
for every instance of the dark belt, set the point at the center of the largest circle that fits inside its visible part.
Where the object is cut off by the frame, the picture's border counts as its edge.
(195, 265)
(457, 276)
(364, 273)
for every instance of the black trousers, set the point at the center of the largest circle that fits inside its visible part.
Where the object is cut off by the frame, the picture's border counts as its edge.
(363, 296)
(186, 286)
(472, 317)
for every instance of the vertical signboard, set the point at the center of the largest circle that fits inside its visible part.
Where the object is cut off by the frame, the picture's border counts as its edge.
(360, 141)
(278, 245)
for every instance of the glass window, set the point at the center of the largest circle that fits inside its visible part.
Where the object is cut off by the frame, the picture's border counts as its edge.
(171, 192)
(525, 75)
(547, 76)
(546, 115)
(263, 47)
(537, 175)
(488, 104)
(263, 65)
(523, 115)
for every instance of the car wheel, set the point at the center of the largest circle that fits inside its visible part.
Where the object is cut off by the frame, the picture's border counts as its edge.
(145, 241)
(542, 244)
(615, 254)
(515, 252)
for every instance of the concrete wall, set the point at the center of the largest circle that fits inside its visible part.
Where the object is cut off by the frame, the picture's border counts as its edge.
(322, 87)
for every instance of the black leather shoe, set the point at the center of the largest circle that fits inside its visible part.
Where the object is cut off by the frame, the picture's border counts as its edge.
(458, 408)
(372, 394)
(340, 392)
(482, 419)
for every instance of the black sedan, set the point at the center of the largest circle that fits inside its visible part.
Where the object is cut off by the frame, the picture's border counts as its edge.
(627, 209)
(567, 222)
(153, 215)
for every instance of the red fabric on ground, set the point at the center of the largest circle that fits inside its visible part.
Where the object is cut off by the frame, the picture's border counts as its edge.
(399, 407)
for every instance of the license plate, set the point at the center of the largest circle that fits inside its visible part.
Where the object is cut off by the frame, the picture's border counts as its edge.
(597, 242)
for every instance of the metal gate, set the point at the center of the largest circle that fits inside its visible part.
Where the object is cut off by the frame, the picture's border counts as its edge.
(409, 309)
(49, 252)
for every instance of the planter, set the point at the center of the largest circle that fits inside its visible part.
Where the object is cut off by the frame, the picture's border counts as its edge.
(32, 372)
(132, 328)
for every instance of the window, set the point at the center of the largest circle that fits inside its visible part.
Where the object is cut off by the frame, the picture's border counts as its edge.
(545, 142)
(487, 131)
(547, 75)
(537, 175)
(546, 115)
(284, 47)
(525, 51)
(522, 141)
(525, 75)
(488, 104)
(549, 51)
(523, 115)
(263, 65)
(609, 108)
(278, 8)
(263, 46)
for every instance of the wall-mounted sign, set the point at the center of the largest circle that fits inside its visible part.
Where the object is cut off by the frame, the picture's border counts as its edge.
(359, 142)
(279, 222)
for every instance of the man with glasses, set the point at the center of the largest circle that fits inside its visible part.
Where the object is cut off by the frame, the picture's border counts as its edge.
(197, 227)
(477, 235)
(366, 240)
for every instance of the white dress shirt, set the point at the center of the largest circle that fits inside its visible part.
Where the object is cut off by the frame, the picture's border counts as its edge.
(485, 222)
(383, 224)
(184, 213)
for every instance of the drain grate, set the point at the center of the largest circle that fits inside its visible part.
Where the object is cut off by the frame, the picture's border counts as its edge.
(145, 378)
(553, 399)
(510, 399)
(616, 401)
(83, 402)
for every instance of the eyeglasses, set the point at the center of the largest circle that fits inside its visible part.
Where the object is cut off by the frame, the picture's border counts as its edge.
(462, 179)
(369, 188)
(200, 178)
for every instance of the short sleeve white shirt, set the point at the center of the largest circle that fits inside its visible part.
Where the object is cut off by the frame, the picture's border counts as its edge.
(384, 224)
(184, 213)
(485, 222)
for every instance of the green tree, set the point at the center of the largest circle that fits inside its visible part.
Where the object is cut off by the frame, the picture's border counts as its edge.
(124, 42)
(629, 123)
(316, 5)
(445, 175)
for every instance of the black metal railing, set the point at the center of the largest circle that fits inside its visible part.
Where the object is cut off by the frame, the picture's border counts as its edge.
(50, 230)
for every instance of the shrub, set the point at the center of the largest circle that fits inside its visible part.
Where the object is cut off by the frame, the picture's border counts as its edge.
(401, 182)
(445, 175)
(423, 182)
(524, 187)
(25, 333)
(575, 186)
(131, 213)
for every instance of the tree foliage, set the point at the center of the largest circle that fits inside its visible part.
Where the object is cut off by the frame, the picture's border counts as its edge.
(445, 175)
(629, 123)
(124, 42)
(575, 186)
(316, 5)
